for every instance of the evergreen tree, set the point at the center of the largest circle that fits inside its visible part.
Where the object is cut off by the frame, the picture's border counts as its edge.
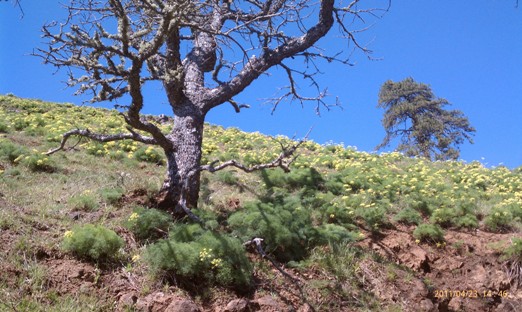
(420, 119)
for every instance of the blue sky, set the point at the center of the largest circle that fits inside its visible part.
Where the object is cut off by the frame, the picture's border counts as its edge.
(469, 52)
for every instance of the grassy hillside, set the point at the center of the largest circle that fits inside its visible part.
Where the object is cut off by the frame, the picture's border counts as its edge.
(352, 231)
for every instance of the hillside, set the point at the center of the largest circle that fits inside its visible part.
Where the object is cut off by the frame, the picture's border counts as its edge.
(344, 230)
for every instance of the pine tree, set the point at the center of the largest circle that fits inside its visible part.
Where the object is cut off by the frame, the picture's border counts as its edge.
(420, 119)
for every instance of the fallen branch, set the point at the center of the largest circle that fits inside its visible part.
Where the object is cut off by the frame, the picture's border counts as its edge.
(256, 242)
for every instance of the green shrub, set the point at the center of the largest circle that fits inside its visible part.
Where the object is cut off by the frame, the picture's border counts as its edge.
(374, 217)
(111, 195)
(38, 162)
(10, 151)
(444, 216)
(423, 205)
(117, 155)
(20, 124)
(149, 223)
(227, 177)
(516, 211)
(96, 149)
(408, 216)
(514, 251)
(499, 219)
(308, 179)
(53, 137)
(286, 227)
(94, 242)
(12, 172)
(85, 201)
(148, 154)
(338, 214)
(195, 254)
(35, 131)
(4, 128)
(335, 184)
(429, 233)
(467, 221)
(328, 234)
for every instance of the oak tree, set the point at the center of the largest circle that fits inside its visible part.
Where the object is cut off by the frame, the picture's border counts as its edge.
(204, 53)
(421, 121)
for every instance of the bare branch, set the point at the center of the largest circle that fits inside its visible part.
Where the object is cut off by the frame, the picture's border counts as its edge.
(238, 107)
(257, 243)
(270, 57)
(102, 138)
(283, 161)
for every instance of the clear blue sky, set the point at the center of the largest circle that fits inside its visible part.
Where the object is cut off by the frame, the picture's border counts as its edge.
(470, 52)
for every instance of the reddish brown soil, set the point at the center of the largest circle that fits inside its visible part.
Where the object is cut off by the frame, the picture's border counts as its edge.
(466, 274)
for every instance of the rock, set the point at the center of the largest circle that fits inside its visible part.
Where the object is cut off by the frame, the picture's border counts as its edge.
(448, 264)
(416, 258)
(415, 289)
(268, 303)
(426, 305)
(154, 302)
(305, 308)
(507, 306)
(497, 280)
(455, 304)
(127, 300)
(237, 305)
(182, 305)
(75, 215)
(478, 276)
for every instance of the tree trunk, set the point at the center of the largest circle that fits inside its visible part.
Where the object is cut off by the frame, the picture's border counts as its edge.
(187, 138)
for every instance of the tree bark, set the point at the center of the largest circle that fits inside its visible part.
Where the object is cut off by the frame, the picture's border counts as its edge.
(182, 180)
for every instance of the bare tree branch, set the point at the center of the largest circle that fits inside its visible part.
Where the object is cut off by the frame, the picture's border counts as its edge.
(283, 161)
(238, 107)
(257, 243)
(101, 138)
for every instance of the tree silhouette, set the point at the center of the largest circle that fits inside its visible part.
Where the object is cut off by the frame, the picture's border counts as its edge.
(420, 119)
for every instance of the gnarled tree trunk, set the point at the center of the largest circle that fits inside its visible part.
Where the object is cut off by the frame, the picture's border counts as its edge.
(183, 161)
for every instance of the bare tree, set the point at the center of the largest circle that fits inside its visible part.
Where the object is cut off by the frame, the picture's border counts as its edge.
(204, 53)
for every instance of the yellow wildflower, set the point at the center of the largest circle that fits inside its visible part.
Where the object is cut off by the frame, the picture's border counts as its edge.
(216, 263)
(133, 217)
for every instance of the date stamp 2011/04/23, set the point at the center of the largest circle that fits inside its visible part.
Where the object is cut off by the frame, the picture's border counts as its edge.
(469, 293)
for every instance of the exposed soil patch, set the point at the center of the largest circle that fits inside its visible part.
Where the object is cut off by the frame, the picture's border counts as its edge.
(71, 276)
(464, 274)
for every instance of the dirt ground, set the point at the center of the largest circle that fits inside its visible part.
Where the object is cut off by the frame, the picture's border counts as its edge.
(465, 274)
